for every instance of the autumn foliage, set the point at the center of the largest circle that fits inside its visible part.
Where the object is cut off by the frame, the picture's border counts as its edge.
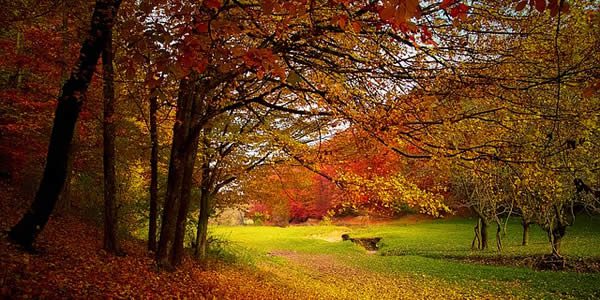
(291, 110)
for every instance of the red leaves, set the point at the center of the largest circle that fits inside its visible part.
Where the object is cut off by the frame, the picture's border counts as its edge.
(446, 3)
(263, 61)
(212, 4)
(455, 8)
(202, 27)
(555, 6)
(592, 89)
(427, 36)
(540, 5)
(459, 11)
(192, 55)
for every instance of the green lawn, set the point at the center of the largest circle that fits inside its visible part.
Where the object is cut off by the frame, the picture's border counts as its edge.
(417, 256)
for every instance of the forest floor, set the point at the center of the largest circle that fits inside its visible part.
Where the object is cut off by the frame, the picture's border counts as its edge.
(71, 264)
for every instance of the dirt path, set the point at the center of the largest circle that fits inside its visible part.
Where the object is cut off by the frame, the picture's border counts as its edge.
(329, 276)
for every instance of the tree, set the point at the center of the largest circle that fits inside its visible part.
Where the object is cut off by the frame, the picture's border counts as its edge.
(153, 174)
(111, 242)
(67, 111)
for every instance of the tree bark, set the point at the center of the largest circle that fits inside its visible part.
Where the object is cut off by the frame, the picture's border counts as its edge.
(498, 236)
(477, 237)
(153, 175)
(66, 114)
(525, 232)
(64, 201)
(186, 190)
(555, 236)
(203, 214)
(484, 234)
(182, 157)
(556, 241)
(111, 243)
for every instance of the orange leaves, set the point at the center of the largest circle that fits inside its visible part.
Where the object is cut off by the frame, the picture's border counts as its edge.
(344, 23)
(290, 8)
(341, 21)
(398, 12)
(267, 6)
(356, 26)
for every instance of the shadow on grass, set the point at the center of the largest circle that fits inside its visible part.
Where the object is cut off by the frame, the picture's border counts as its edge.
(535, 261)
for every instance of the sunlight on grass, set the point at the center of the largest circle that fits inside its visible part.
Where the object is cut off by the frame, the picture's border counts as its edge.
(431, 251)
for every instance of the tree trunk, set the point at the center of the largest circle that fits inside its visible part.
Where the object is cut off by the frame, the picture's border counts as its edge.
(177, 163)
(525, 232)
(203, 227)
(153, 175)
(477, 237)
(484, 234)
(111, 243)
(203, 214)
(498, 236)
(15, 80)
(186, 189)
(556, 245)
(555, 236)
(66, 114)
(64, 202)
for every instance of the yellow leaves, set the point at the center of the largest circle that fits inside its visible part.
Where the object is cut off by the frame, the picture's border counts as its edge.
(293, 78)
(392, 191)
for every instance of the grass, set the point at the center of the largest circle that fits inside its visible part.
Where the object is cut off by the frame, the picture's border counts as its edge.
(419, 253)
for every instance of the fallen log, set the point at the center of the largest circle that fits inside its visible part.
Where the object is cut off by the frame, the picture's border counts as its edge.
(367, 243)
